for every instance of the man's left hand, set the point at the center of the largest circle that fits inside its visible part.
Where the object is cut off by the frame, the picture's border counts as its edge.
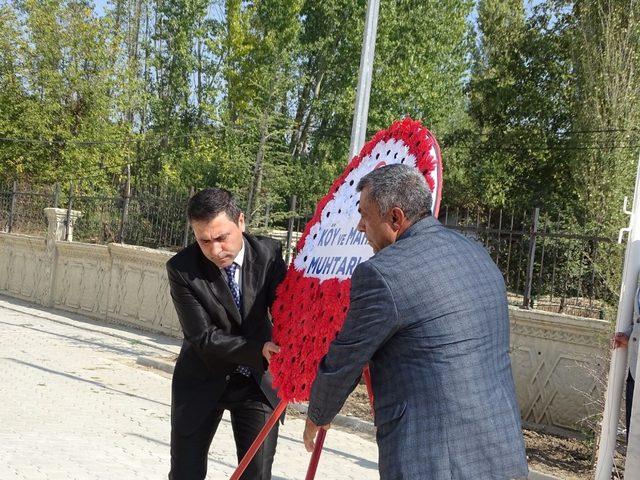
(310, 432)
(268, 349)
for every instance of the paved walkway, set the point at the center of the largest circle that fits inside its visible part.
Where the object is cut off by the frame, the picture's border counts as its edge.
(74, 405)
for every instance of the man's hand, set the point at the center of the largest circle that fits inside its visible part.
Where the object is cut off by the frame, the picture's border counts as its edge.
(619, 340)
(269, 349)
(310, 432)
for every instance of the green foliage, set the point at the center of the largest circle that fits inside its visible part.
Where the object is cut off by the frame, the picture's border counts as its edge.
(258, 96)
(56, 68)
(520, 96)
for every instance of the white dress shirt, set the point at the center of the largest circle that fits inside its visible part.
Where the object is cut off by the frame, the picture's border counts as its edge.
(238, 260)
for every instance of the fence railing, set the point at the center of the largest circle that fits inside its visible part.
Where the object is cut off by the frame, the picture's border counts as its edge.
(550, 264)
(547, 263)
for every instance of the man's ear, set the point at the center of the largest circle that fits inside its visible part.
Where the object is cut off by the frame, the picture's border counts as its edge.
(397, 218)
(241, 222)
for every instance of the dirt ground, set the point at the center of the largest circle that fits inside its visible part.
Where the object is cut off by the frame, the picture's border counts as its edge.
(566, 458)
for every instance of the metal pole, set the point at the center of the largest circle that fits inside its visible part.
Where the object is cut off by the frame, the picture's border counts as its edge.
(125, 205)
(618, 366)
(266, 215)
(359, 127)
(56, 195)
(185, 238)
(67, 222)
(292, 209)
(526, 301)
(12, 209)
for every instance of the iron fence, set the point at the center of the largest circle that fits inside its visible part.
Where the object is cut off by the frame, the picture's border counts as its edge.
(22, 209)
(547, 263)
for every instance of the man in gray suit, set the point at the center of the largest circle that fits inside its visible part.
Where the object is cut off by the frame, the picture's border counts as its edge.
(429, 313)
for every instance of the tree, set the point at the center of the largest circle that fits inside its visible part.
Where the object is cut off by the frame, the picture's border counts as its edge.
(60, 82)
(520, 94)
(607, 107)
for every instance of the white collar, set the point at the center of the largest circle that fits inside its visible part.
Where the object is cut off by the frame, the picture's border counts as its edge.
(240, 257)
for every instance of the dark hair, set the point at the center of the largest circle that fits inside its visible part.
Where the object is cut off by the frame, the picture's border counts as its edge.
(211, 202)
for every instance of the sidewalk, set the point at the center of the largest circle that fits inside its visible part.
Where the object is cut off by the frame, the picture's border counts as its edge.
(74, 405)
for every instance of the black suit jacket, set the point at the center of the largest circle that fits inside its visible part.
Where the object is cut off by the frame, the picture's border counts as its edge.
(216, 337)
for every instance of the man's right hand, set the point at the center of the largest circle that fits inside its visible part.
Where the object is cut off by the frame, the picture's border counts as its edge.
(269, 349)
(619, 340)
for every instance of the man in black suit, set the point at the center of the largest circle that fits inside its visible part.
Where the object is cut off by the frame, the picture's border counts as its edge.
(222, 287)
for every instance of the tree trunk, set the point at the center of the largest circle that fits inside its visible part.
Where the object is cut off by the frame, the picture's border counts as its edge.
(302, 127)
(233, 11)
(254, 192)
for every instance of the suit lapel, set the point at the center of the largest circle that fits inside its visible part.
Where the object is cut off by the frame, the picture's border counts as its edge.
(220, 290)
(251, 265)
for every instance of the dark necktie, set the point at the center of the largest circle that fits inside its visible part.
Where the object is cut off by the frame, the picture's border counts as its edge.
(235, 293)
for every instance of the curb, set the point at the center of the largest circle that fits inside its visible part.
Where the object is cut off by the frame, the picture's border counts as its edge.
(533, 475)
(152, 362)
(345, 421)
(83, 322)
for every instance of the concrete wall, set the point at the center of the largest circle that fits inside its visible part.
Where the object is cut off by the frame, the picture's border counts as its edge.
(559, 365)
(25, 268)
(122, 284)
(556, 358)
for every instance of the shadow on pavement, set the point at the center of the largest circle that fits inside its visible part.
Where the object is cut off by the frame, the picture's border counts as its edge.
(80, 379)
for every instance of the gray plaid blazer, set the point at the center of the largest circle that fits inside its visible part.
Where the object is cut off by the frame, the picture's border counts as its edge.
(429, 313)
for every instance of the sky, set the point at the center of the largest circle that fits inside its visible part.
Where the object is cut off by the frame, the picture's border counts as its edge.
(100, 6)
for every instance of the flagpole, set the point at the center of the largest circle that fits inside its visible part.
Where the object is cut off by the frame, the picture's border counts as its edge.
(358, 137)
(361, 109)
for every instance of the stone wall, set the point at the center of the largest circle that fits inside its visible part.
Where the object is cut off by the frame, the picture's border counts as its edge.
(116, 283)
(139, 289)
(557, 359)
(25, 268)
(560, 364)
